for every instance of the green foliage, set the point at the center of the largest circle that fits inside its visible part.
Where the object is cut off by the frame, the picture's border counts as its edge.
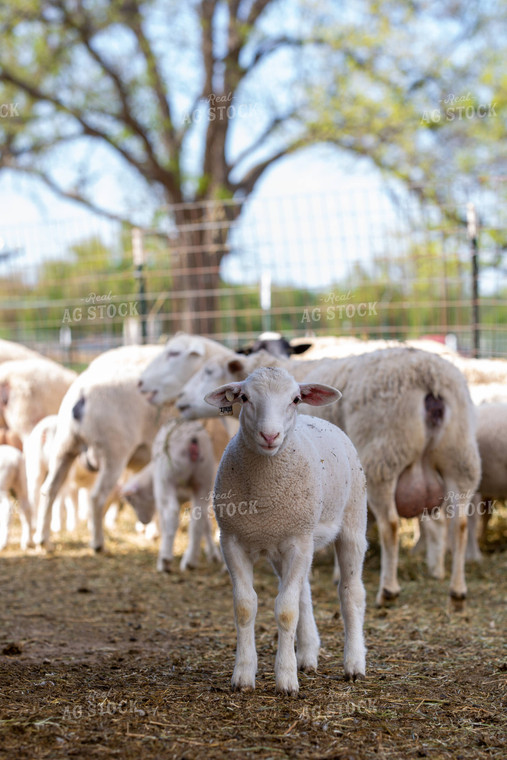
(417, 88)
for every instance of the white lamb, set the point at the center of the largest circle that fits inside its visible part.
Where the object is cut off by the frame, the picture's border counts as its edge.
(182, 467)
(13, 481)
(304, 486)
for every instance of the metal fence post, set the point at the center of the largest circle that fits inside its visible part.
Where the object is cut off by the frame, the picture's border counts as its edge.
(474, 252)
(139, 258)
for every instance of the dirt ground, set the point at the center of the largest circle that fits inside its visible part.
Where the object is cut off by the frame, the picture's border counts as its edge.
(103, 657)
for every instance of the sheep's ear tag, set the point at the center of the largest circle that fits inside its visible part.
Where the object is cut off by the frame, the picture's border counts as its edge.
(227, 410)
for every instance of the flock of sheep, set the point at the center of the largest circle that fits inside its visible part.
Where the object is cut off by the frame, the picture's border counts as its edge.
(149, 424)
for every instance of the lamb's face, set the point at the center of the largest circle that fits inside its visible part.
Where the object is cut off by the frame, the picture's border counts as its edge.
(269, 403)
(191, 404)
(269, 398)
(163, 378)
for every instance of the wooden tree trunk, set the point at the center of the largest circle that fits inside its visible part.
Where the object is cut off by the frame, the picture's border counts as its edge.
(202, 243)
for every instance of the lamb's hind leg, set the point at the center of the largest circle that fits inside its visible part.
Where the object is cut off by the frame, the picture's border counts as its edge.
(199, 528)
(109, 473)
(350, 549)
(168, 511)
(307, 635)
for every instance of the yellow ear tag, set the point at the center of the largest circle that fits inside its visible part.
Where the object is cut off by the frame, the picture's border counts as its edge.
(229, 395)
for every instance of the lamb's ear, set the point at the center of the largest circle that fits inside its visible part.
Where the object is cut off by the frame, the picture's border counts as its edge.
(224, 396)
(316, 394)
(236, 367)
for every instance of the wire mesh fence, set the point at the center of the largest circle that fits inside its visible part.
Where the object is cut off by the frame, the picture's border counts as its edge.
(367, 261)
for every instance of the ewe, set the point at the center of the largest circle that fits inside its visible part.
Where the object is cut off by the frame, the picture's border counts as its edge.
(304, 486)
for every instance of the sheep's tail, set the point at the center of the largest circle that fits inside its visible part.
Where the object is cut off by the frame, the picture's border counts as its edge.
(78, 409)
(435, 411)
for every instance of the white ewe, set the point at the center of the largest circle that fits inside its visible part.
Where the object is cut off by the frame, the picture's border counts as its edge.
(305, 488)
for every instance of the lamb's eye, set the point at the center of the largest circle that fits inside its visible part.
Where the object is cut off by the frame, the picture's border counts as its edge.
(296, 400)
(244, 398)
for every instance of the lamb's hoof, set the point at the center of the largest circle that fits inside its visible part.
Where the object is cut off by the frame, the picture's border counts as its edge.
(355, 676)
(98, 549)
(286, 682)
(242, 683)
(239, 687)
(288, 691)
(164, 565)
(45, 547)
(307, 662)
(457, 601)
(386, 597)
(187, 564)
(437, 573)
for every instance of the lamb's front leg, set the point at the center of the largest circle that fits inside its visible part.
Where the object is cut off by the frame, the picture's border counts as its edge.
(240, 567)
(296, 559)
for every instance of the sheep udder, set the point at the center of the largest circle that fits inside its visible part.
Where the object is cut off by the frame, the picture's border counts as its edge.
(419, 486)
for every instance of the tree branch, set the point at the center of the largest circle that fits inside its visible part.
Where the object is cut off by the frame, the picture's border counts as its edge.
(149, 170)
(157, 82)
(256, 10)
(259, 141)
(70, 194)
(246, 185)
(85, 32)
(206, 15)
